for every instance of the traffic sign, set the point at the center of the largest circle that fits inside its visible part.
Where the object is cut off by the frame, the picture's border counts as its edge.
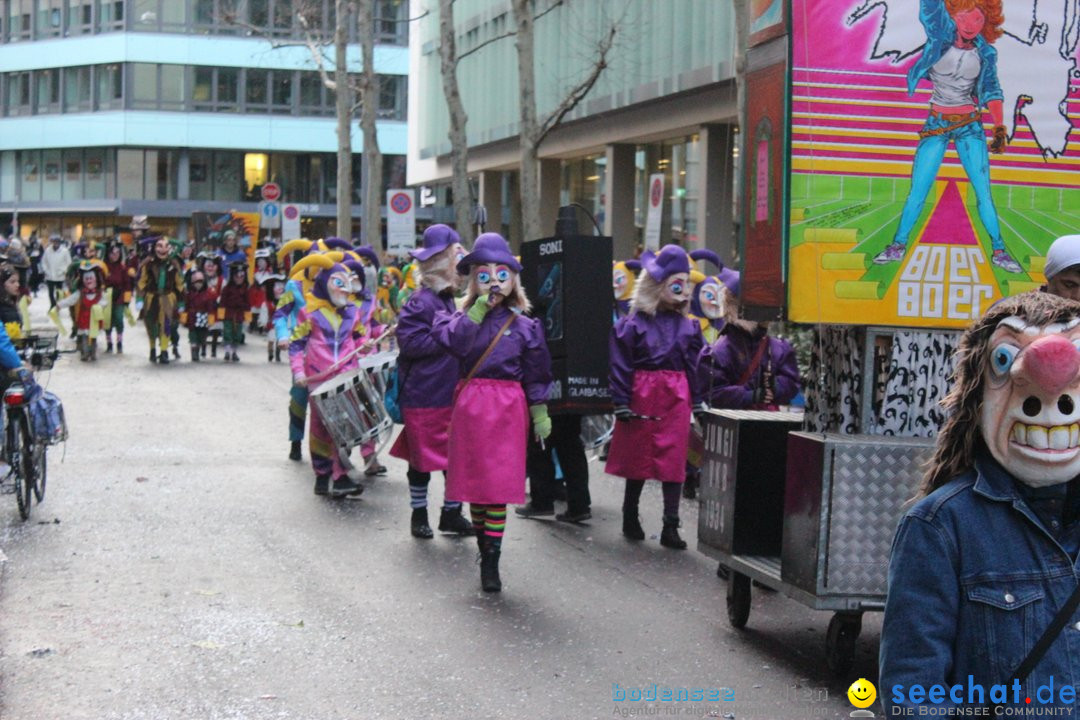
(271, 191)
(400, 222)
(269, 215)
(290, 222)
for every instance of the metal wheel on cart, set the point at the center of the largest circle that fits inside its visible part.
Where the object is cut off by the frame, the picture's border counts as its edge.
(844, 629)
(738, 600)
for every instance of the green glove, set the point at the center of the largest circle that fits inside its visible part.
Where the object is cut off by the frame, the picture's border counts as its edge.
(479, 309)
(541, 421)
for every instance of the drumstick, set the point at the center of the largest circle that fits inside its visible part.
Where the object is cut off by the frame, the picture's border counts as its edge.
(366, 345)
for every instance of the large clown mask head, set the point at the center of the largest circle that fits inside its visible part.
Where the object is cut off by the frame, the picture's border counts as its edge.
(496, 279)
(621, 282)
(675, 291)
(338, 286)
(711, 299)
(1030, 416)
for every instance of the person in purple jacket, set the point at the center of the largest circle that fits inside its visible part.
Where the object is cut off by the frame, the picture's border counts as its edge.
(427, 374)
(654, 387)
(496, 396)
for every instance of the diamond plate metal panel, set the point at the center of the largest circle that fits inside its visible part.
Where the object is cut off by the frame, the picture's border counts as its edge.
(872, 480)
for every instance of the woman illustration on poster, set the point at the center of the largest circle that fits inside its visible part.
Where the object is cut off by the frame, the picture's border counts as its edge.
(960, 61)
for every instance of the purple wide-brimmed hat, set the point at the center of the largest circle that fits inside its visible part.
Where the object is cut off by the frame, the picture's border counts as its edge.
(730, 278)
(437, 238)
(670, 260)
(489, 248)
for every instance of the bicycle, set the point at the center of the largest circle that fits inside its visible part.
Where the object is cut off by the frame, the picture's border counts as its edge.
(25, 452)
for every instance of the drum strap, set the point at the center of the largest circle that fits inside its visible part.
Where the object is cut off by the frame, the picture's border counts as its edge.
(494, 342)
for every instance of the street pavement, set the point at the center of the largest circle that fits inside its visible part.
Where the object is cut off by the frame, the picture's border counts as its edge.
(181, 567)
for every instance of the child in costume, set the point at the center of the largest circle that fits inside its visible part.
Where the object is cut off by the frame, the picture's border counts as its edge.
(324, 345)
(985, 562)
(506, 377)
(88, 300)
(273, 290)
(233, 309)
(257, 292)
(200, 306)
(159, 287)
(654, 387)
(426, 378)
(120, 282)
(215, 282)
(386, 295)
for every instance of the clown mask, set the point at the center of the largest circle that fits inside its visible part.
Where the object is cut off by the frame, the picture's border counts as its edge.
(676, 290)
(711, 298)
(356, 285)
(494, 279)
(620, 283)
(1030, 417)
(338, 287)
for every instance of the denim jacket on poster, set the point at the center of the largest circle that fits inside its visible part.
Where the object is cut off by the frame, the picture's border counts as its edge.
(974, 580)
(940, 35)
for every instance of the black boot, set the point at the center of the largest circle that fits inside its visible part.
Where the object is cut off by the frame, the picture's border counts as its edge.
(194, 353)
(153, 354)
(202, 349)
(277, 354)
(163, 357)
(269, 354)
(108, 345)
(631, 525)
(452, 521)
(669, 536)
(689, 488)
(176, 351)
(119, 346)
(419, 524)
(322, 484)
(345, 486)
(294, 450)
(489, 569)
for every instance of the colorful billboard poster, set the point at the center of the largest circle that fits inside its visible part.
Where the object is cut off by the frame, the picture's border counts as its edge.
(934, 156)
(766, 20)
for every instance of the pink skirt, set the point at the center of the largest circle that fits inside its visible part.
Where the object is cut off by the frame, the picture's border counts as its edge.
(488, 430)
(424, 442)
(644, 449)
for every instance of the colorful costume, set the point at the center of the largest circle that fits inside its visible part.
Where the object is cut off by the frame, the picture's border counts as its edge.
(88, 300)
(623, 277)
(234, 306)
(426, 376)
(159, 287)
(323, 345)
(200, 307)
(491, 411)
(285, 316)
(654, 387)
(120, 282)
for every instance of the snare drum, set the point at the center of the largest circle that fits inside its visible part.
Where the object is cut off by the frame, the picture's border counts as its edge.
(351, 409)
(378, 368)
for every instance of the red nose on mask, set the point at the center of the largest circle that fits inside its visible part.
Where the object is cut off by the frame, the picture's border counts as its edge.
(1051, 363)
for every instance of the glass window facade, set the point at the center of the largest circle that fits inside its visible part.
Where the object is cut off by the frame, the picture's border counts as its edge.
(679, 162)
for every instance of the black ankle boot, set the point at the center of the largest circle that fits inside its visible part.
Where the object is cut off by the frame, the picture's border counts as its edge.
(489, 569)
(294, 450)
(163, 357)
(322, 484)
(119, 346)
(108, 345)
(452, 521)
(345, 486)
(153, 355)
(669, 536)
(194, 353)
(419, 524)
(631, 525)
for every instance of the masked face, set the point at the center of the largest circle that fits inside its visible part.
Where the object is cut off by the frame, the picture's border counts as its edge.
(620, 283)
(337, 288)
(493, 278)
(1030, 416)
(161, 249)
(356, 285)
(676, 290)
(711, 297)
(89, 281)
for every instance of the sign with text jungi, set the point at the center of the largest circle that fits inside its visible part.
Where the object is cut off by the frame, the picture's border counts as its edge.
(931, 167)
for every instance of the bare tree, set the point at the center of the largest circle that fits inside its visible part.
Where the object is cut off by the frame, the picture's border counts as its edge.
(343, 111)
(368, 84)
(459, 146)
(533, 130)
(742, 29)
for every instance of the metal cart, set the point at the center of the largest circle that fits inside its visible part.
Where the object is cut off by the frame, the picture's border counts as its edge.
(809, 515)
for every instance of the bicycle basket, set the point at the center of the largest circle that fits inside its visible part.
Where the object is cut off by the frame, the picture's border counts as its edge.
(47, 418)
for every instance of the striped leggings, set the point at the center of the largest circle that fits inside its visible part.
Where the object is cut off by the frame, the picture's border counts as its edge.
(489, 520)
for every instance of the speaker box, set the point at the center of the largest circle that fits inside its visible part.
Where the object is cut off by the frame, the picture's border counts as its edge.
(568, 280)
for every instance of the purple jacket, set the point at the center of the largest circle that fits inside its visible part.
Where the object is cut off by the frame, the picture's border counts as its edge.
(725, 362)
(427, 371)
(665, 341)
(521, 355)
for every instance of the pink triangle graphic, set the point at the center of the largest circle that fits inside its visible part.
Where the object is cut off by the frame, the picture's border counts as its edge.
(949, 222)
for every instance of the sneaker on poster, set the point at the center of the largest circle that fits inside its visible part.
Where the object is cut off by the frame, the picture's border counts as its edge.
(1005, 261)
(893, 252)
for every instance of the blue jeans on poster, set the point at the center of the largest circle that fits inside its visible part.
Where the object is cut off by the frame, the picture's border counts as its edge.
(970, 143)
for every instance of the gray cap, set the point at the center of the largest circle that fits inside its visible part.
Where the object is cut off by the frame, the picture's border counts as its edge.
(1063, 254)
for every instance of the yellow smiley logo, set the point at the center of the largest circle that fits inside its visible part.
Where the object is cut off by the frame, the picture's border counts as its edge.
(862, 693)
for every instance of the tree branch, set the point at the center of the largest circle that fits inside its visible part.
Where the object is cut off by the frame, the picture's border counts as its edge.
(578, 93)
(509, 33)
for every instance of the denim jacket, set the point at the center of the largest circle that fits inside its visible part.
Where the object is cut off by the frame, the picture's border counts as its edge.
(940, 35)
(974, 580)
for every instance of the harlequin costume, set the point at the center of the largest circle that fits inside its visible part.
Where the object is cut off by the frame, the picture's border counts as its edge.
(120, 282)
(159, 287)
(257, 292)
(654, 387)
(288, 308)
(623, 278)
(386, 295)
(496, 396)
(88, 302)
(215, 282)
(200, 307)
(234, 306)
(323, 345)
(427, 374)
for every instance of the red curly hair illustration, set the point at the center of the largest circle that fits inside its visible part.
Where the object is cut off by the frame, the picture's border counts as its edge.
(991, 10)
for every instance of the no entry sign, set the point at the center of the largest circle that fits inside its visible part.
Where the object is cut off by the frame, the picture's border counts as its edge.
(400, 222)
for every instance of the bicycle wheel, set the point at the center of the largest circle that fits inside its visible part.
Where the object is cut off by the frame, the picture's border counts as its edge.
(16, 450)
(40, 469)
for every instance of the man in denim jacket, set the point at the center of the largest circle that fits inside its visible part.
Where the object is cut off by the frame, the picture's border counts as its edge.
(960, 62)
(982, 564)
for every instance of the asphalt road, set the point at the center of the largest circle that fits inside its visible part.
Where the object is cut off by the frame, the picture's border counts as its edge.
(181, 567)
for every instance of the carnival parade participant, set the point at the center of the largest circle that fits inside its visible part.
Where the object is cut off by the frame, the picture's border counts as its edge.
(324, 345)
(120, 283)
(711, 295)
(215, 282)
(88, 300)
(623, 277)
(506, 377)
(982, 586)
(426, 376)
(288, 308)
(200, 306)
(233, 308)
(654, 387)
(230, 253)
(386, 296)
(159, 288)
(273, 290)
